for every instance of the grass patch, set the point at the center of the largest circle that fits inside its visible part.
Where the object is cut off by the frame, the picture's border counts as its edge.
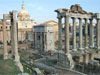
(8, 67)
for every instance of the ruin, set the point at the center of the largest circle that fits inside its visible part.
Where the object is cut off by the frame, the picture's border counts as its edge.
(84, 54)
(14, 46)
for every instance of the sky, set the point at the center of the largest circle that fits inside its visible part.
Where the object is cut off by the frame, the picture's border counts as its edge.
(43, 10)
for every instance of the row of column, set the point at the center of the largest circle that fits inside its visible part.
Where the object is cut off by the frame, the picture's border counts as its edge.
(91, 36)
(13, 32)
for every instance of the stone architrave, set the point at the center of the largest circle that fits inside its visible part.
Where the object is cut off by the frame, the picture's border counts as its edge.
(5, 38)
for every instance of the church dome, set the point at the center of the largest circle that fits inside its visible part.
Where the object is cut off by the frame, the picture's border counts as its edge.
(23, 14)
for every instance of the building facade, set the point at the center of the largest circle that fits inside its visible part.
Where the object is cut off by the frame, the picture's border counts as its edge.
(43, 35)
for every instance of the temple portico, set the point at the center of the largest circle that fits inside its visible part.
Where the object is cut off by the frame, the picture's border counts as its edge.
(76, 12)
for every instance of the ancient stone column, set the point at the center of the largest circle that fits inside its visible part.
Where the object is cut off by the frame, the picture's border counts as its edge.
(80, 34)
(5, 38)
(14, 34)
(74, 33)
(86, 33)
(67, 45)
(60, 32)
(41, 41)
(98, 32)
(12, 37)
(35, 40)
(91, 41)
(15, 42)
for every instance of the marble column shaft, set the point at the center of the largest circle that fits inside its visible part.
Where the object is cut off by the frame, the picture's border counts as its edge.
(67, 45)
(80, 34)
(98, 34)
(91, 41)
(74, 34)
(60, 32)
(5, 38)
(86, 33)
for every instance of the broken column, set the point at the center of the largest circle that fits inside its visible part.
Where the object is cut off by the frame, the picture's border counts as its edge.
(5, 38)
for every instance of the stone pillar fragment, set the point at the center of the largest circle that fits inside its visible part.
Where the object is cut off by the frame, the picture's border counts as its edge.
(86, 33)
(74, 34)
(5, 38)
(80, 34)
(91, 41)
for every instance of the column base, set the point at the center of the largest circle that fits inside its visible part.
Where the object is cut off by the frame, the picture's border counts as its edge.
(91, 46)
(74, 49)
(66, 61)
(86, 47)
(97, 47)
(81, 48)
(5, 57)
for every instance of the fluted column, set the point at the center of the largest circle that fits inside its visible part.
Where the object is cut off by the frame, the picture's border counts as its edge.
(91, 41)
(80, 34)
(5, 38)
(74, 34)
(86, 33)
(60, 32)
(67, 45)
(98, 34)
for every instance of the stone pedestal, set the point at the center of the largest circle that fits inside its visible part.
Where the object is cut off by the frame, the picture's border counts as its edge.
(66, 61)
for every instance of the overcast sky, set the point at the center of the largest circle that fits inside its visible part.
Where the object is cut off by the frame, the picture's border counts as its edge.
(43, 10)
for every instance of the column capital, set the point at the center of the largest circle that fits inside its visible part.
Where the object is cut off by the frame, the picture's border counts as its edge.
(91, 19)
(73, 17)
(80, 18)
(86, 19)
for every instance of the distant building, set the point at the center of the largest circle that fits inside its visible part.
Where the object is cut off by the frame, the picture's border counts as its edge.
(43, 35)
(24, 23)
(55, 27)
